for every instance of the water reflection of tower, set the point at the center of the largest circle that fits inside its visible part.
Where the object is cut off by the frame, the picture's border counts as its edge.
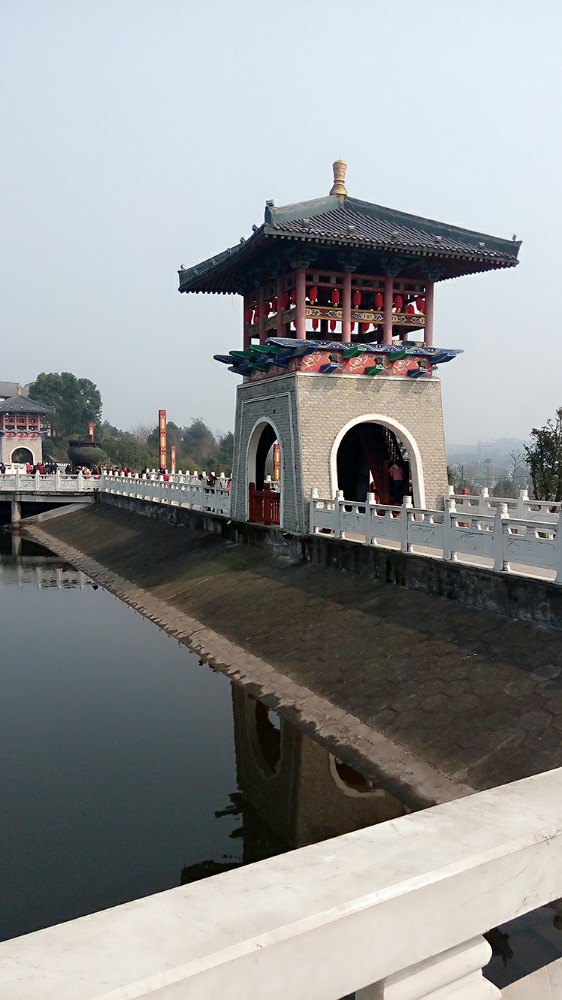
(295, 786)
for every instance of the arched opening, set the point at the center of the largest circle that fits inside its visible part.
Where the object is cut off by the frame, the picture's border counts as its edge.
(264, 732)
(351, 781)
(22, 456)
(371, 459)
(264, 475)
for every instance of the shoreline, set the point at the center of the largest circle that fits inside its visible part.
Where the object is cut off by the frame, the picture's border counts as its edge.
(416, 782)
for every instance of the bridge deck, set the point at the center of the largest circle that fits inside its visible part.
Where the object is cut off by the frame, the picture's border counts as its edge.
(474, 695)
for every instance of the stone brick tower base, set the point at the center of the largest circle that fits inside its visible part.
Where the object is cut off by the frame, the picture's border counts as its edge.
(310, 415)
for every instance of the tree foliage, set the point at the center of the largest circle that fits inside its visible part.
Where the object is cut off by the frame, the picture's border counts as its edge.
(544, 458)
(77, 402)
(197, 447)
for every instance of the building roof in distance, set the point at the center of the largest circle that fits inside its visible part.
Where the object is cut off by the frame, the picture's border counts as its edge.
(8, 389)
(23, 404)
(336, 231)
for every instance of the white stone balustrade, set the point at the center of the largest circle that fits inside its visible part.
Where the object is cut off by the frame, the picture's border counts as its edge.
(494, 540)
(520, 507)
(59, 482)
(180, 490)
(392, 912)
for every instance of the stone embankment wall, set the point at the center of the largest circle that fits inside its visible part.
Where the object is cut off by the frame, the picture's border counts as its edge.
(427, 697)
(517, 597)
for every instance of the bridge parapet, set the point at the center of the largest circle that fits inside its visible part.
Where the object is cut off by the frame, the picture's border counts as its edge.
(59, 482)
(493, 540)
(393, 912)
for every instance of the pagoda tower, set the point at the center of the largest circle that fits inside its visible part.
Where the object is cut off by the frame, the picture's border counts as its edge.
(338, 364)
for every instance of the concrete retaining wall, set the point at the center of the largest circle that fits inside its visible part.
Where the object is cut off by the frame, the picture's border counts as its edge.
(516, 597)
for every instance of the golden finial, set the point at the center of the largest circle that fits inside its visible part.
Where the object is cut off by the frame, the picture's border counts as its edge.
(338, 187)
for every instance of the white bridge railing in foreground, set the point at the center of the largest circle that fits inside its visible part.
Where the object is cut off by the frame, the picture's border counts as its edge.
(59, 482)
(179, 491)
(496, 541)
(393, 912)
(521, 507)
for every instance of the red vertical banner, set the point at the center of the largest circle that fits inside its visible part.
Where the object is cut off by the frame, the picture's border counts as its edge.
(172, 458)
(162, 439)
(276, 463)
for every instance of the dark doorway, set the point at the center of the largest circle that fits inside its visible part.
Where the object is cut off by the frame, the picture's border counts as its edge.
(22, 455)
(267, 439)
(366, 454)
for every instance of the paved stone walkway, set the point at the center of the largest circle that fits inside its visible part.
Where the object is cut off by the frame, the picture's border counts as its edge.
(475, 695)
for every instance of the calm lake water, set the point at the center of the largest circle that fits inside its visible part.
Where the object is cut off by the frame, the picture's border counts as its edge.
(127, 767)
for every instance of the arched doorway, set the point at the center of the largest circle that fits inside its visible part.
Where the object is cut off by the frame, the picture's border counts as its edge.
(263, 474)
(22, 456)
(366, 456)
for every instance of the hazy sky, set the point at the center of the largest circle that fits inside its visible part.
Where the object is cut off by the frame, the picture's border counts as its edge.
(139, 135)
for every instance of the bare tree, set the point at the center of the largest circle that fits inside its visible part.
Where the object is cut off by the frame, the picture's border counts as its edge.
(517, 466)
(141, 432)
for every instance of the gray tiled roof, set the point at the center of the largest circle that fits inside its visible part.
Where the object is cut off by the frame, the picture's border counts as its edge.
(23, 404)
(375, 233)
(8, 389)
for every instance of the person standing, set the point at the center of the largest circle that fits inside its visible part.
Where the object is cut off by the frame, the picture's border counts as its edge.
(396, 473)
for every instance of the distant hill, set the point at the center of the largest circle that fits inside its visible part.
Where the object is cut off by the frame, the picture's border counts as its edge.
(498, 451)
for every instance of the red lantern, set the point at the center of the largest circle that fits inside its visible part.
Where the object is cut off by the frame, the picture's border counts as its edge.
(363, 327)
(352, 327)
(397, 302)
(332, 325)
(274, 305)
(248, 316)
(266, 308)
(293, 296)
(410, 308)
(356, 299)
(379, 300)
(336, 296)
(315, 324)
(313, 294)
(283, 301)
(421, 305)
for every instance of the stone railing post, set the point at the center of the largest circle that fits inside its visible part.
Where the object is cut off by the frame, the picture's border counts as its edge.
(522, 502)
(499, 538)
(558, 554)
(37, 482)
(57, 480)
(454, 973)
(312, 511)
(338, 506)
(448, 515)
(405, 523)
(370, 515)
(80, 479)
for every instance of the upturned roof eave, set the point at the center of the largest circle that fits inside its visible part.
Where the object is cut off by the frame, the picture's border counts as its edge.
(199, 277)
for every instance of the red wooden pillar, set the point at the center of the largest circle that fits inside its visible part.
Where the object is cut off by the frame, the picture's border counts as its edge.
(346, 308)
(263, 333)
(301, 303)
(247, 335)
(280, 326)
(388, 287)
(428, 335)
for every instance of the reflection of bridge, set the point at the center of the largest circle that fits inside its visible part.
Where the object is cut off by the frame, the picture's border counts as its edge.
(42, 573)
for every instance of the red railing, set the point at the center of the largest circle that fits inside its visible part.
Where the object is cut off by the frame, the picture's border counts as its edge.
(264, 505)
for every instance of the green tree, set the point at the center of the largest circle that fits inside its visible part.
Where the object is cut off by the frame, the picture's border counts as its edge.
(199, 442)
(544, 458)
(77, 402)
(505, 487)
